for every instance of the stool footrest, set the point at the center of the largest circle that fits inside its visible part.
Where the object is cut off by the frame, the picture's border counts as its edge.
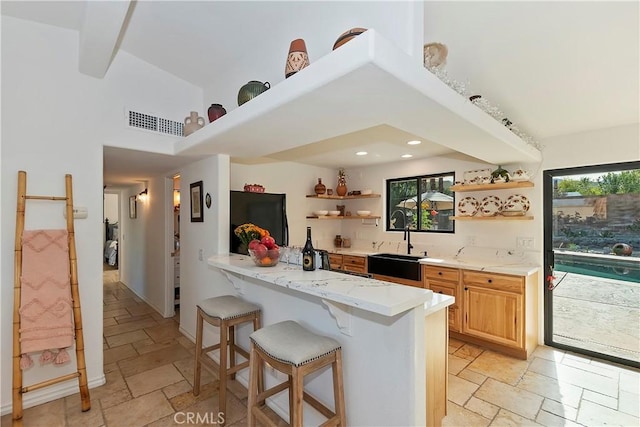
(238, 367)
(273, 390)
(262, 417)
(318, 406)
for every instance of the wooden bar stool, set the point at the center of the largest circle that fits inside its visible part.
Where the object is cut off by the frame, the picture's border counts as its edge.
(295, 351)
(224, 312)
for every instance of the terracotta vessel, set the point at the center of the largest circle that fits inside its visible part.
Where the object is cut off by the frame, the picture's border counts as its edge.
(215, 112)
(297, 58)
(192, 123)
(251, 90)
(320, 188)
(348, 35)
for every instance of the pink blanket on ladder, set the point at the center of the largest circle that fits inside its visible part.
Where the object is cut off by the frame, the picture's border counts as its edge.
(46, 307)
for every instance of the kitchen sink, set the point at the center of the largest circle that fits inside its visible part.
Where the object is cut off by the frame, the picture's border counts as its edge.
(396, 265)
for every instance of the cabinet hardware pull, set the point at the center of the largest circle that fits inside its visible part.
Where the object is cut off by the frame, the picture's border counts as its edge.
(466, 289)
(440, 273)
(439, 292)
(490, 281)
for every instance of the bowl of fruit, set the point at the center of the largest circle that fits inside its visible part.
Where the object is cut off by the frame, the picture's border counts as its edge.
(264, 252)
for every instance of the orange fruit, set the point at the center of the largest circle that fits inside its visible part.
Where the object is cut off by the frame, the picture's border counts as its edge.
(266, 260)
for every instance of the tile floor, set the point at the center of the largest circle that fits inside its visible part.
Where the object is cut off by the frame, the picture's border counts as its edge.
(149, 370)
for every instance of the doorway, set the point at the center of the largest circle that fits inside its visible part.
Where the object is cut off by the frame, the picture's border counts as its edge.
(592, 260)
(111, 236)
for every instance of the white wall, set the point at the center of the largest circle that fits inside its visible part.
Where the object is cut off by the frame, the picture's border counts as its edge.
(200, 240)
(399, 21)
(111, 208)
(55, 121)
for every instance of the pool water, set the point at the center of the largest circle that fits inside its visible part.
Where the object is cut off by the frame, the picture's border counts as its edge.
(626, 273)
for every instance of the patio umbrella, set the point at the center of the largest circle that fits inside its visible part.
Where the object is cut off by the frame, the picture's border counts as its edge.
(436, 200)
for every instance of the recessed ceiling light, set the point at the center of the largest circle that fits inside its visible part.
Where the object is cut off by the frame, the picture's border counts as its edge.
(414, 142)
(361, 153)
(406, 156)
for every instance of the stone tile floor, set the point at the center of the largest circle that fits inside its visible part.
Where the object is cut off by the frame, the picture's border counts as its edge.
(149, 370)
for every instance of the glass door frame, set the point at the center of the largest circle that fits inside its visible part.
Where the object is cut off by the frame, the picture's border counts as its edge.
(548, 262)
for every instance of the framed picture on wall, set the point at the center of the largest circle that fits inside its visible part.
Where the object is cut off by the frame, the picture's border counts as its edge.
(133, 208)
(197, 213)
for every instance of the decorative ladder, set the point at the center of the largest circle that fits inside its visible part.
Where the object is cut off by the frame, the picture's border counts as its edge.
(81, 373)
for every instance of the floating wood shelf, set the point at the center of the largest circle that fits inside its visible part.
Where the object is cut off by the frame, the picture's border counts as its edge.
(492, 218)
(496, 186)
(336, 197)
(343, 217)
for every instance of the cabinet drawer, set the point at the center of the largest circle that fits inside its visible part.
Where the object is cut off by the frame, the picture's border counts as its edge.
(502, 282)
(336, 261)
(353, 261)
(441, 273)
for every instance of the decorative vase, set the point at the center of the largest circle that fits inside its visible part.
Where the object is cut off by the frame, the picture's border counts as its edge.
(337, 242)
(215, 112)
(348, 35)
(341, 189)
(622, 249)
(320, 188)
(192, 123)
(297, 58)
(251, 90)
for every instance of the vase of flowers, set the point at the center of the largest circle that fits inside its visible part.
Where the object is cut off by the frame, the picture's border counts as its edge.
(341, 189)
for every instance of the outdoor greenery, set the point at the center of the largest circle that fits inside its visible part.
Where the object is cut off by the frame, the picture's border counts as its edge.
(612, 183)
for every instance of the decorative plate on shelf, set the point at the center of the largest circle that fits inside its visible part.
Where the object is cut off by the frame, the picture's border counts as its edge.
(516, 203)
(478, 176)
(490, 206)
(468, 206)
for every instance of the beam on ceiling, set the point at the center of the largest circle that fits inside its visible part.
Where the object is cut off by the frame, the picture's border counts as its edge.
(102, 24)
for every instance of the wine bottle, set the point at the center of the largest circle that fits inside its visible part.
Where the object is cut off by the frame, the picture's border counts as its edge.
(308, 254)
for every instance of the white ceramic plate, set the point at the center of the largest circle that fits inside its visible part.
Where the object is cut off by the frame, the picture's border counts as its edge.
(468, 206)
(490, 206)
(516, 203)
(334, 213)
(363, 213)
(320, 213)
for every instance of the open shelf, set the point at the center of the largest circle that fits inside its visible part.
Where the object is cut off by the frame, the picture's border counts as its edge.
(343, 217)
(492, 218)
(366, 83)
(336, 197)
(496, 186)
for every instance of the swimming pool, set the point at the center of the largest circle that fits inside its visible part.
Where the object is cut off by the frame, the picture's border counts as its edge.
(606, 266)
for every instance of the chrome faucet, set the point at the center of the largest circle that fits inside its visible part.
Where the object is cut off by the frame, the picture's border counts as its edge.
(407, 237)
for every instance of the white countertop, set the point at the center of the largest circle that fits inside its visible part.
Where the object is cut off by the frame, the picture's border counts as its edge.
(496, 265)
(377, 296)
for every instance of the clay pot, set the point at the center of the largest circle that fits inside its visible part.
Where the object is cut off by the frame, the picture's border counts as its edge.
(192, 123)
(622, 249)
(320, 188)
(251, 90)
(297, 58)
(215, 112)
(341, 189)
(348, 35)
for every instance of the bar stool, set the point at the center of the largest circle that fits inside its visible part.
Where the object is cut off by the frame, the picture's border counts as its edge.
(224, 312)
(295, 351)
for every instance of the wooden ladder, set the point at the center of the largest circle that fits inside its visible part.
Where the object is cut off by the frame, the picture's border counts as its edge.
(81, 373)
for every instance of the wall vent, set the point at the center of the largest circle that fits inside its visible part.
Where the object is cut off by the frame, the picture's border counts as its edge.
(151, 123)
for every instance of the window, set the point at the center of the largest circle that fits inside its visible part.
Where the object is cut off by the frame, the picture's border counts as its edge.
(430, 212)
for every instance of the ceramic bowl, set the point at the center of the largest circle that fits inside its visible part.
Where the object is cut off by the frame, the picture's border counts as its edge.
(320, 213)
(266, 259)
(334, 213)
(367, 192)
(363, 213)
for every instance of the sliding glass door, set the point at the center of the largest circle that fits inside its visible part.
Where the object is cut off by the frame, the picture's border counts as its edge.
(592, 260)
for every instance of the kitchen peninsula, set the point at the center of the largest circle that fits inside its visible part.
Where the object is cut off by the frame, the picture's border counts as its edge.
(394, 337)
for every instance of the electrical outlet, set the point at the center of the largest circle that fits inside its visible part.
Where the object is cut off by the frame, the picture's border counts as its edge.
(524, 242)
(470, 240)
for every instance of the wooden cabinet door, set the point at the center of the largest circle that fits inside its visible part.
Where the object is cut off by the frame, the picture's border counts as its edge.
(354, 263)
(451, 289)
(493, 315)
(336, 261)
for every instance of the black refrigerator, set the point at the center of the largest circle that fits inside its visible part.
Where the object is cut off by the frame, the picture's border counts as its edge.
(266, 210)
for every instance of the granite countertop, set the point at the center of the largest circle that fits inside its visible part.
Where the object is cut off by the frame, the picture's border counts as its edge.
(372, 295)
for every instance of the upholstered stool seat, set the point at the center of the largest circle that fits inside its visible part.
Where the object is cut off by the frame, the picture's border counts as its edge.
(295, 351)
(224, 312)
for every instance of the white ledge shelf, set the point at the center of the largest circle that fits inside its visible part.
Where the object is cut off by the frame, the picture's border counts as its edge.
(367, 82)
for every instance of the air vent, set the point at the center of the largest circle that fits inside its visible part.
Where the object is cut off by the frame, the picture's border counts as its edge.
(148, 122)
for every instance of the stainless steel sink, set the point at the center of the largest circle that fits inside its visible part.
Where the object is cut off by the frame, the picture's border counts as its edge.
(395, 265)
